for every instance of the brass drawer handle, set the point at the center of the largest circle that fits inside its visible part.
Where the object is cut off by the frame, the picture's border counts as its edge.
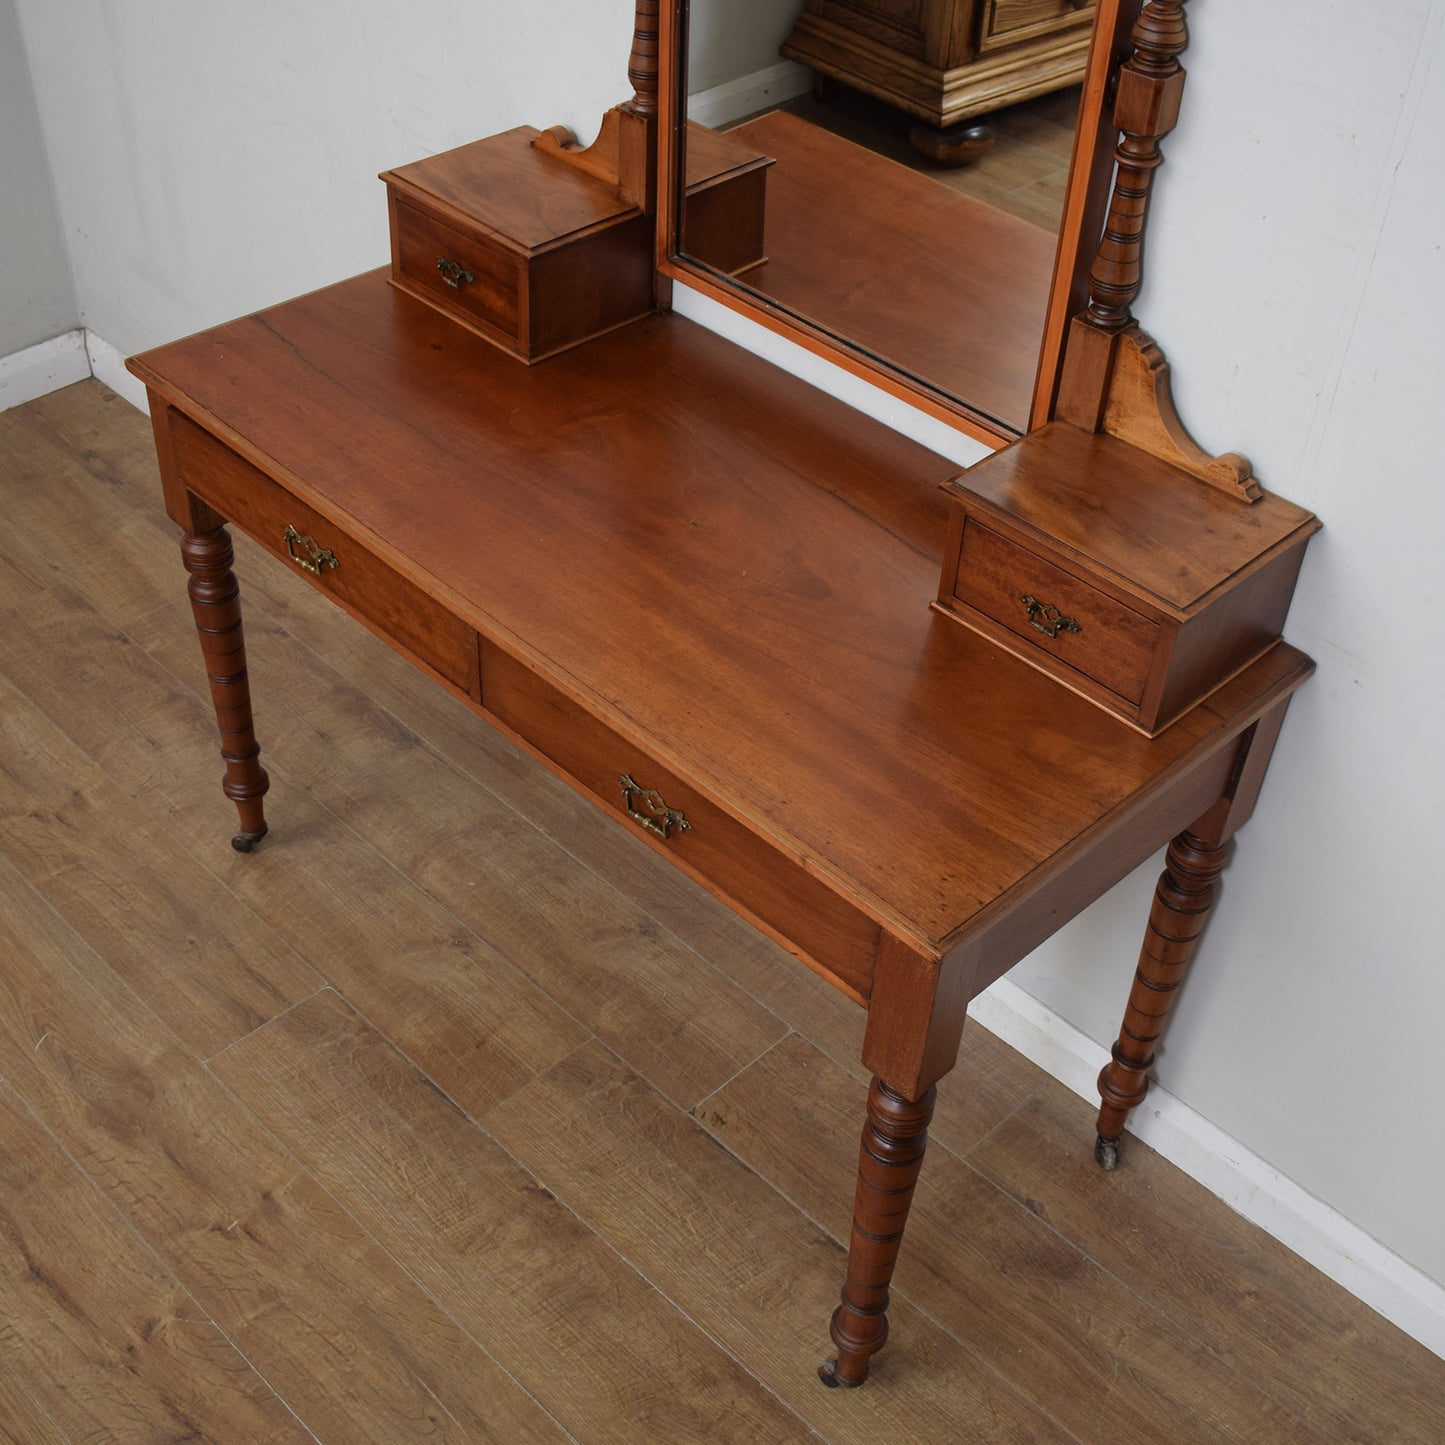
(1046, 618)
(646, 807)
(312, 558)
(454, 274)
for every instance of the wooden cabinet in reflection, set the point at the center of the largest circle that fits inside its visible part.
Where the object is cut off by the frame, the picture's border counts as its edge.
(947, 63)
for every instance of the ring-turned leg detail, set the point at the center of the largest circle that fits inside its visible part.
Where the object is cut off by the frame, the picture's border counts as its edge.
(216, 604)
(1182, 901)
(894, 1138)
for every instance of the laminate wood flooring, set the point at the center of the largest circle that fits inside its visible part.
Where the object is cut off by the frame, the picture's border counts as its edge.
(1026, 173)
(452, 1113)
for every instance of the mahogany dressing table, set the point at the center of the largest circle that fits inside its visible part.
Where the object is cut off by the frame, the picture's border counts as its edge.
(699, 590)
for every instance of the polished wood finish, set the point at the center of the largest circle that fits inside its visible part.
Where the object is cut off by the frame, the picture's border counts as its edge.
(347, 571)
(678, 599)
(216, 603)
(1111, 511)
(1114, 377)
(1182, 902)
(418, 864)
(1087, 195)
(1146, 107)
(538, 244)
(1160, 588)
(895, 1134)
(706, 600)
(831, 933)
(527, 250)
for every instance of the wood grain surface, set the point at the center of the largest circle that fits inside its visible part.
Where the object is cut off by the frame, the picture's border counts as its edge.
(426, 1238)
(683, 609)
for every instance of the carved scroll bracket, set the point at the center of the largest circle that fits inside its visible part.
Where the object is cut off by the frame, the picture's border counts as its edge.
(625, 151)
(1115, 378)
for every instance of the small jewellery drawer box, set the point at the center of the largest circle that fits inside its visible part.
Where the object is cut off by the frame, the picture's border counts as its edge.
(1127, 579)
(531, 252)
(528, 245)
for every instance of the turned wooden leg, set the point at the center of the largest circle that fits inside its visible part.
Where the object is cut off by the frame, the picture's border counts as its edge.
(216, 604)
(1182, 901)
(894, 1137)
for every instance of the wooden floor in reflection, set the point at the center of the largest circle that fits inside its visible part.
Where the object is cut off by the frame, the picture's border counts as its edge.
(1024, 174)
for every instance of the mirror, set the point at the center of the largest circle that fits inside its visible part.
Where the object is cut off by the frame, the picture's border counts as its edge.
(825, 197)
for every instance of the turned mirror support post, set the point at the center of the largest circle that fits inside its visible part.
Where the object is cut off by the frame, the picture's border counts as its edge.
(625, 151)
(1115, 378)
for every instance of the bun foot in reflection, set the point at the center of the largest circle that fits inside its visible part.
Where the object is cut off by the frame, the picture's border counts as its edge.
(959, 145)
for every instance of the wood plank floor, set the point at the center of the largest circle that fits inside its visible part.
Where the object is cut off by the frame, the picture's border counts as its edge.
(1026, 173)
(452, 1113)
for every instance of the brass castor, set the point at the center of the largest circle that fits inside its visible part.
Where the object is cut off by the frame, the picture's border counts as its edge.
(1106, 1152)
(828, 1374)
(244, 842)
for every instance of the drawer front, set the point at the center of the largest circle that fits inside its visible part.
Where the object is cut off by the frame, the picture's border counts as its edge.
(1008, 21)
(717, 849)
(1113, 644)
(392, 606)
(493, 294)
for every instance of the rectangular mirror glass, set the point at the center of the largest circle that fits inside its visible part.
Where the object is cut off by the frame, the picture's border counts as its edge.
(889, 175)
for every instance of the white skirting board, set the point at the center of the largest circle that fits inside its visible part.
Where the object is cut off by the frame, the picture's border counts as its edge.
(62, 361)
(40, 369)
(108, 365)
(749, 94)
(1321, 1235)
(1259, 1192)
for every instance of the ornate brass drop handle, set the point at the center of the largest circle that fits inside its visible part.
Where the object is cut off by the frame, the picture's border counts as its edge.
(645, 806)
(312, 558)
(1046, 618)
(453, 273)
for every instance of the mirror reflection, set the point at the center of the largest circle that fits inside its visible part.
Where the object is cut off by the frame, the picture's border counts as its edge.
(891, 172)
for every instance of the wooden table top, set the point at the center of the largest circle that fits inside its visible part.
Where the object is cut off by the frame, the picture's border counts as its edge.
(729, 568)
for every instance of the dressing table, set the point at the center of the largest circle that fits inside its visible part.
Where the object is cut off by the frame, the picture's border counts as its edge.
(699, 591)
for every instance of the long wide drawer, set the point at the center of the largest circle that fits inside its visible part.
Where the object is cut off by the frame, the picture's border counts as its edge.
(774, 889)
(326, 556)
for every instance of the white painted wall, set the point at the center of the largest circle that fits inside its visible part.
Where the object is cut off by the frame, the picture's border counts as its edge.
(37, 301)
(209, 159)
(731, 39)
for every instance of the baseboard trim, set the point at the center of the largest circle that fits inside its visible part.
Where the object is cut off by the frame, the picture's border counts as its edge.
(38, 370)
(108, 365)
(1336, 1247)
(62, 361)
(748, 94)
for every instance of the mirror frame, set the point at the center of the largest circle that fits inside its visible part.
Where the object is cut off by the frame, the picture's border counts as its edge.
(1085, 206)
